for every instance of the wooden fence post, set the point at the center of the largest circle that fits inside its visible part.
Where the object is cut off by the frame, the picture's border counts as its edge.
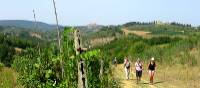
(82, 76)
(101, 68)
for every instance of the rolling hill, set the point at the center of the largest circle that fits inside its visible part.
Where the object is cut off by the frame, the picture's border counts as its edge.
(27, 24)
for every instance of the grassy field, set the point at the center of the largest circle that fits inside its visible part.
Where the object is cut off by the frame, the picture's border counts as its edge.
(8, 78)
(178, 76)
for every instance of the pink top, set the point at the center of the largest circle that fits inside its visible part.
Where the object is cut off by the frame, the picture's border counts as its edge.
(138, 66)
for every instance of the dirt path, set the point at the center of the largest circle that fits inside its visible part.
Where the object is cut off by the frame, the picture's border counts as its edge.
(131, 83)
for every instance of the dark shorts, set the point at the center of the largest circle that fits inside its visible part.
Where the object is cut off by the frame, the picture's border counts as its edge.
(138, 73)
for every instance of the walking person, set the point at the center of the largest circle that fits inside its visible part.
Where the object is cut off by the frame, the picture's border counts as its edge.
(115, 61)
(138, 70)
(127, 67)
(151, 68)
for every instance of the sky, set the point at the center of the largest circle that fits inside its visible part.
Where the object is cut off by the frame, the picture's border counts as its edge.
(105, 12)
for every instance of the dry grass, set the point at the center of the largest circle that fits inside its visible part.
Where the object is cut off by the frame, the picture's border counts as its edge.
(8, 78)
(18, 50)
(139, 33)
(177, 76)
(101, 41)
(35, 34)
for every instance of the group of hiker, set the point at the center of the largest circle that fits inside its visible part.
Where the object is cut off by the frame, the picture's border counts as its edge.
(139, 68)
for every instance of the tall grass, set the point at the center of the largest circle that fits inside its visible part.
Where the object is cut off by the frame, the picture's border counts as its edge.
(8, 78)
(166, 49)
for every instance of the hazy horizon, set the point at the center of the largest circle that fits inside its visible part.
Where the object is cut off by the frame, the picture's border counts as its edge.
(102, 12)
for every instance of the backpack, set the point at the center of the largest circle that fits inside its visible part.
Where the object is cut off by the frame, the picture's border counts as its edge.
(127, 65)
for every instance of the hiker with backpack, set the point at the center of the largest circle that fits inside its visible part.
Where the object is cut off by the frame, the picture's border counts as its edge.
(151, 68)
(127, 67)
(138, 70)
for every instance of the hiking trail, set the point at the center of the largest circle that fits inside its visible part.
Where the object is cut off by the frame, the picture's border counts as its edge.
(119, 74)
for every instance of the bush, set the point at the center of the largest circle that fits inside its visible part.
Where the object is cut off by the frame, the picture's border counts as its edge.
(6, 54)
(1, 65)
(138, 47)
(162, 40)
(39, 71)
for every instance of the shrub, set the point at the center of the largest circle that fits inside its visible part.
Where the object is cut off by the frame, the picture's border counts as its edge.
(162, 40)
(138, 47)
(1, 65)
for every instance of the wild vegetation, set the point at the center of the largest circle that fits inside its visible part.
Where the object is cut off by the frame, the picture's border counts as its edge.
(41, 65)
(44, 69)
(8, 45)
(172, 49)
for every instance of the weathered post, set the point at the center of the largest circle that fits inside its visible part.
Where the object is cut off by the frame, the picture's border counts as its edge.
(82, 77)
(57, 27)
(35, 29)
(77, 42)
(59, 38)
(101, 69)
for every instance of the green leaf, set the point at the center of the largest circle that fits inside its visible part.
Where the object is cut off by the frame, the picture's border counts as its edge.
(37, 65)
(48, 73)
